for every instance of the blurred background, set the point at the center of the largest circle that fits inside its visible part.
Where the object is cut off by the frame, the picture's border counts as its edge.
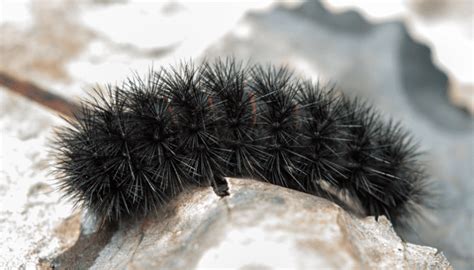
(413, 59)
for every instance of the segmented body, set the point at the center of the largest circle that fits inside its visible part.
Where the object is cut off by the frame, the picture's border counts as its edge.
(130, 150)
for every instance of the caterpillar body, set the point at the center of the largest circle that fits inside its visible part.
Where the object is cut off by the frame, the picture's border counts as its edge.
(131, 149)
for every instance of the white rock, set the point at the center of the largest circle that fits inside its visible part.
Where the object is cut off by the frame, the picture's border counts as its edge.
(259, 226)
(34, 222)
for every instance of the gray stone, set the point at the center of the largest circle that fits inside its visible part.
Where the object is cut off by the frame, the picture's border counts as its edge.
(259, 226)
(34, 222)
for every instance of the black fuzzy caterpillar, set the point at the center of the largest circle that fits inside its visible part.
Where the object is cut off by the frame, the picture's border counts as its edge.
(130, 150)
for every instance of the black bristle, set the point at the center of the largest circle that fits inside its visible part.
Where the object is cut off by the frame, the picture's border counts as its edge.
(324, 134)
(198, 116)
(135, 146)
(238, 132)
(278, 122)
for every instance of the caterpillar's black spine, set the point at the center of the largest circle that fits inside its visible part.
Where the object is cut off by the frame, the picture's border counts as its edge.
(133, 147)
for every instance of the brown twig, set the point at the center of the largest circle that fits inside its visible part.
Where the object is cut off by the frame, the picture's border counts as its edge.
(39, 95)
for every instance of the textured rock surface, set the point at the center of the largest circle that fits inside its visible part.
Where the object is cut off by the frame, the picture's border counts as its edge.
(259, 226)
(34, 223)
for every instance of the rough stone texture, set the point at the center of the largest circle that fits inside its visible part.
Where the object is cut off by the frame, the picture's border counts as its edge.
(34, 222)
(259, 226)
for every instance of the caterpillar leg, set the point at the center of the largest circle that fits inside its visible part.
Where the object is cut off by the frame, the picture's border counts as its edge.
(220, 186)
